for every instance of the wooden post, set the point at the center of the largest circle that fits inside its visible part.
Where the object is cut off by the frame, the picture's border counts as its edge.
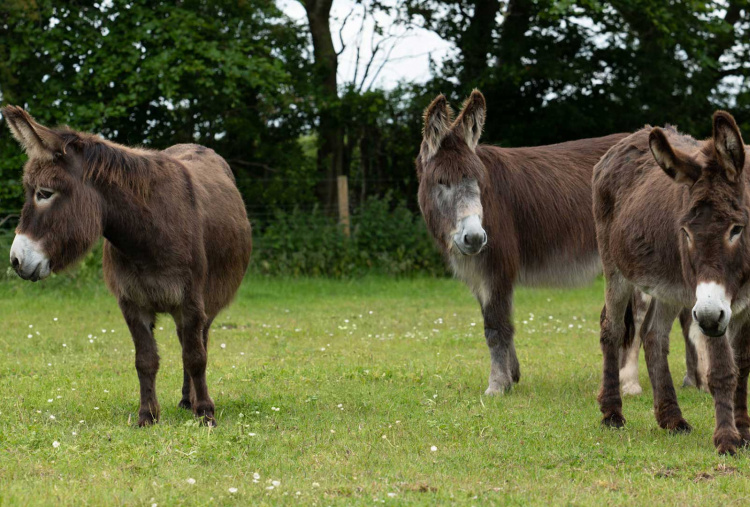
(343, 193)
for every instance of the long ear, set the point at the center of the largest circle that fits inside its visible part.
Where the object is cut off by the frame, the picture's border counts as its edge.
(678, 165)
(730, 150)
(470, 121)
(36, 139)
(437, 119)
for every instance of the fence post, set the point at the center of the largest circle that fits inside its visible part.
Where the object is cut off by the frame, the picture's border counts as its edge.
(343, 194)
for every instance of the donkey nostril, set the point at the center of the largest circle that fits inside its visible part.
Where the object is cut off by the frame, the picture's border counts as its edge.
(14, 262)
(721, 315)
(695, 315)
(466, 239)
(484, 240)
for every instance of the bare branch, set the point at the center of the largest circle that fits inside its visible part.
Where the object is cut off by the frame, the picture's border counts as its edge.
(341, 32)
(385, 60)
(359, 45)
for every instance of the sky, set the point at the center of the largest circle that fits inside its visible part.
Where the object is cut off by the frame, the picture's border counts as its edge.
(408, 60)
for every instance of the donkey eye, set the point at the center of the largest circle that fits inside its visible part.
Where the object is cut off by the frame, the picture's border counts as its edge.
(736, 231)
(686, 233)
(42, 194)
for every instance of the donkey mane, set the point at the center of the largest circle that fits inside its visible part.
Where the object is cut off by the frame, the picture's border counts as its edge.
(107, 162)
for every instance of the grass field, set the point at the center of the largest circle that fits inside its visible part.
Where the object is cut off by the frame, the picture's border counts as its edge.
(338, 393)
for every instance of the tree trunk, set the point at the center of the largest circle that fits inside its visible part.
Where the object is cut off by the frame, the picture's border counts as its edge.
(331, 142)
(476, 42)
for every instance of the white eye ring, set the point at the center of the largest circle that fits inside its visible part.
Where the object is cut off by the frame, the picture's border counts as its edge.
(44, 195)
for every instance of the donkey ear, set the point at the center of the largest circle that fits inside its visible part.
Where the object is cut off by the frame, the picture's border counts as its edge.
(36, 139)
(730, 150)
(470, 121)
(678, 166)
(437, 119)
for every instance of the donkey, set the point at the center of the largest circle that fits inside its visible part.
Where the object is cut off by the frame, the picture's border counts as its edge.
(503, 216)
(670, 216)
(177, 238)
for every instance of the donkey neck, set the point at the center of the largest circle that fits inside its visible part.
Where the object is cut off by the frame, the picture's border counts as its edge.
(144, 203)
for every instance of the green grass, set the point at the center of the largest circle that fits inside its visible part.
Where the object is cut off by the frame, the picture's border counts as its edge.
(339, 389)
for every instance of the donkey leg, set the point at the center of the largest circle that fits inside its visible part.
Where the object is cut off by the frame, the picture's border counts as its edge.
(722, 383)
(194, 360)
(186, 382)
(629, 380)
(656, 346)
(141, 325)
(691, 355)
(617, 296)
(498, 331)
(741, 346)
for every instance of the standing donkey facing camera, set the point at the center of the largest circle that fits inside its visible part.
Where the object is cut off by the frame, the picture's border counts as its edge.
(177, 238)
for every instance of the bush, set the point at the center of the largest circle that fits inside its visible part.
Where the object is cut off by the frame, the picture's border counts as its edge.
(384, 239)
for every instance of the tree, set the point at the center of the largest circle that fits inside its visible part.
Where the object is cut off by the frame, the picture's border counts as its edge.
(554, 70)
(232, 75)
(331, 142)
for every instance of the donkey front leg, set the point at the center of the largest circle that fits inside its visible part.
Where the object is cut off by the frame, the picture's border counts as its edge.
(141, 325)
(659, 319)
(616, 297)
(498, 331)
(191, 323)
(722, 383)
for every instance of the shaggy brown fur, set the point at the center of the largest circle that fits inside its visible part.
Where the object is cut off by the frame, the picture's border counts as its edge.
(670, 213)
(535, 207)
(177, 237)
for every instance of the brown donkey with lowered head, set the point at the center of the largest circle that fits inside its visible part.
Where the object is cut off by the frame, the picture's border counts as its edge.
(506, 215)
(670, 215)
(177, 237)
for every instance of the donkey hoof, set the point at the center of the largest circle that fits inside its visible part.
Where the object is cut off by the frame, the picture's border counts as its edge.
(185, 404)
(726, 442)
(147, 419)
(496, 390)
(744, 437)
(207, 420)
(688, 381)
(726, 449)
(632, 389)
(682, 426)
(205, 414)
(613, 420)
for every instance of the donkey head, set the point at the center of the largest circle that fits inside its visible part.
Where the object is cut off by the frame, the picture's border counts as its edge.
(452, 176)
(62, 216)
(713, 243)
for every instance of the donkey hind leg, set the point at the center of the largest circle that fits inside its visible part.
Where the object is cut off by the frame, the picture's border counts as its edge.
(192, 322)
(696, 373)
(659, 319)
(498, 331)
(741, 345)
(141, 326)
(187, 384)
(629, 380)
(613, 330)
(188, 392)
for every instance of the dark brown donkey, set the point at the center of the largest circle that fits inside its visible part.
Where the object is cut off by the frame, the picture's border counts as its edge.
(506, 215)
(670, 216)
(177, 237)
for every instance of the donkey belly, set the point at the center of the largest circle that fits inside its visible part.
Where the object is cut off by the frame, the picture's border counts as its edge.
(562, 270)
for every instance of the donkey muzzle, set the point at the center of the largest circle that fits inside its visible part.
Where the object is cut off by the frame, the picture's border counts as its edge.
(712, 310)
(28, 259)
(471, 237)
